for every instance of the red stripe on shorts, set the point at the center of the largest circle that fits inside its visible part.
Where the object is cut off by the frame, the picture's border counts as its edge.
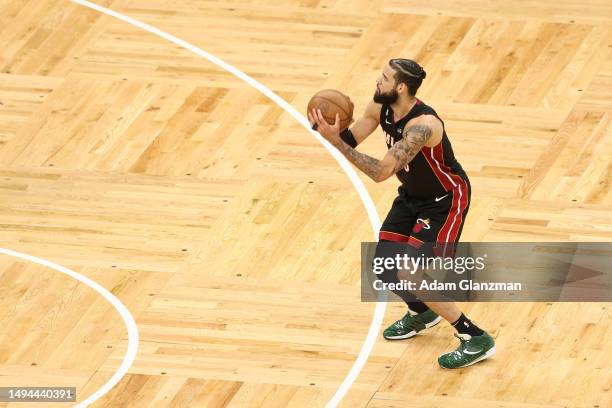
(393, 236)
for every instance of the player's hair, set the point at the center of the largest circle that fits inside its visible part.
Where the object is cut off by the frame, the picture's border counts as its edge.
(408, 72)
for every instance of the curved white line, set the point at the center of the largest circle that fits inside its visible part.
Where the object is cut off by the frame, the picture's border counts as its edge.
(132, 330)
(379, 312)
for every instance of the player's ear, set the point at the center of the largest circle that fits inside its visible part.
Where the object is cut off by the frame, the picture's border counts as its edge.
(400, 87)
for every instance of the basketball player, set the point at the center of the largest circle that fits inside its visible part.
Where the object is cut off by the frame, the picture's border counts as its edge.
(433, 199)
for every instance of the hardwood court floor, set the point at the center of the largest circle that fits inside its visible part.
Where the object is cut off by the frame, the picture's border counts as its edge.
(233, 237)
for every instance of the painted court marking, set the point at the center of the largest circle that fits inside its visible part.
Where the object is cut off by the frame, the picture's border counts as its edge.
(130, 324)
(379, 311)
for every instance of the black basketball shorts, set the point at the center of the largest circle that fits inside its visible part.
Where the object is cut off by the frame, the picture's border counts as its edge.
(436, 220)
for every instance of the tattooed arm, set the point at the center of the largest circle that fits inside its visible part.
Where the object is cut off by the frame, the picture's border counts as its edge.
(425, 130)
(414, 138)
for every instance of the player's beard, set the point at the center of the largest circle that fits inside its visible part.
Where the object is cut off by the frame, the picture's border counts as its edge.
(386, 98)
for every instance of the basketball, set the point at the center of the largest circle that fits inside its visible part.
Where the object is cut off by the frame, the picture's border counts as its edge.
(330, 102)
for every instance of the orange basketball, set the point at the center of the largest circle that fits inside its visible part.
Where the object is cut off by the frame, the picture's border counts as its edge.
(330, 102)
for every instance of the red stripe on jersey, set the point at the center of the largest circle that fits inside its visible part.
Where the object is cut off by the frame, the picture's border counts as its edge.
(438, 155)
(430, 155)
(426, 152)
(450, 228)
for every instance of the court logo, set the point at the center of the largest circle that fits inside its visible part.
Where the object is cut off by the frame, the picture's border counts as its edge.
(421, 223)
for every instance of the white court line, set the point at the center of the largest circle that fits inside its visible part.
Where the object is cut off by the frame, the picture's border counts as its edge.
(132, 330)
(379, 312)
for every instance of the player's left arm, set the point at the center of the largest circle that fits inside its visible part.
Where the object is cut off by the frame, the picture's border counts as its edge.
(425, 130)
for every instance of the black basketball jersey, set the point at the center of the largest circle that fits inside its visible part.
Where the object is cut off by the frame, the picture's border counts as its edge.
(434, 170)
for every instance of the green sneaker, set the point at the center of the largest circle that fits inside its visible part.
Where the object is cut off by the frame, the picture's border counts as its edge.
(471, 350)
(408, 326)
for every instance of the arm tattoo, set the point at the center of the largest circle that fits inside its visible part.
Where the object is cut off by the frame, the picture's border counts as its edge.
(403, 151)
(368, 164)
(414, 138)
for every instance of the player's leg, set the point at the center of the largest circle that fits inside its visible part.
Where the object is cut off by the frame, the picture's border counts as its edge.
(413, 321)
(441, 222)
(397, 228)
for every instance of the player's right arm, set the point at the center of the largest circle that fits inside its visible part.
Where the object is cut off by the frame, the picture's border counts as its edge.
(367, 124)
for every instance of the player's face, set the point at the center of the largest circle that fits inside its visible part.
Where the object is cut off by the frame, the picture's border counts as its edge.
(386, 92)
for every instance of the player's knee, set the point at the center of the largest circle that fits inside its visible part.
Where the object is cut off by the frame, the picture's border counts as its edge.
(394, 260)
(390, 272)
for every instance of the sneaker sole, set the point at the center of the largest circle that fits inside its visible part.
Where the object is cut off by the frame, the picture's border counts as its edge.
(488, 354)
(414, 333)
